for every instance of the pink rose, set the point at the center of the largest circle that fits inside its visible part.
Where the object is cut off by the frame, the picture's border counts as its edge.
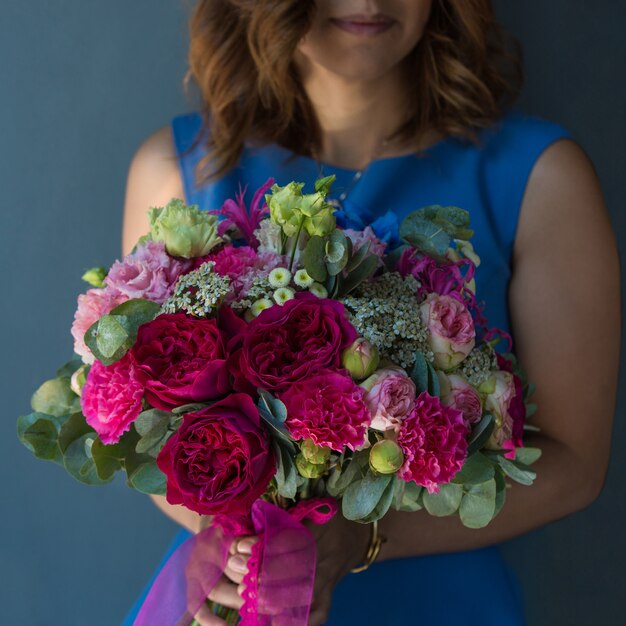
(111, 398)
(450, 329)
(92, 305)
(286, 344)
(433, 439)
(149, 272)
(220, 460)
(503, 403)
(459, 394)
(182, 359)
(517, 409)
(390, 395)
(327, 407)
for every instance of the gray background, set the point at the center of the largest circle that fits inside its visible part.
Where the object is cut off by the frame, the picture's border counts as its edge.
(82, 84)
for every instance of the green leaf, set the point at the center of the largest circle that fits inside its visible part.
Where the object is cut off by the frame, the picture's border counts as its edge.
(80, 463)
(419, 372)
(500, 491)
(313, 258)
(357, 258)
(143, 474)
(454, 220)
(66, 371)
(427, 237)
(476, 469)
(324, 184)
(359, 274)
(362, 496)
(434, 388)
(382, 506)
(342, 476)
(478, 504)
(481, 433)
(72, 429)
(519, 472)
(274, 413)
(286, 472)
(190, 408)
(406, 495)
(153, 428)
(55, 397)
(531, 409)
(391, 258)
(444, 503)
(39, 433)
(106, 460)
(527, 455)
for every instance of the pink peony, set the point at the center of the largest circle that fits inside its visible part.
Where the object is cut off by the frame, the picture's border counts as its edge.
(149, 273)
(433, 439)
(517, 409)
(286, 344)
(111, 398)
(220, 460)
(328, 407)
(390, 397)
(450, 328)
(92, 305)
(459, 394)
(361, 237)
(182, 359)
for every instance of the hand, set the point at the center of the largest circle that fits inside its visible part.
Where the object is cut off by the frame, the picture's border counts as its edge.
(228, 590)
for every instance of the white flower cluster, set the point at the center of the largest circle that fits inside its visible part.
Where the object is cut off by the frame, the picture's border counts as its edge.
(386, 311)
(478, 365)
(198, 293)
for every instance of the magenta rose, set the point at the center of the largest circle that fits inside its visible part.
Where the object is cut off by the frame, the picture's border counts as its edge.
(220, 459)
(287, 343)
(329, 408)
(149, 272)
(451, 333)
(433, 439)
(182, 359)
(390, 397)
(459, 394)
(92, 305)
(111, 398)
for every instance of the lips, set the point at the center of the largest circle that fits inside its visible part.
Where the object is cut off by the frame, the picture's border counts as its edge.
(363, 24)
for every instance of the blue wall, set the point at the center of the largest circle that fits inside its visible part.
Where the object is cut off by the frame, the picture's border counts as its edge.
(82, 84)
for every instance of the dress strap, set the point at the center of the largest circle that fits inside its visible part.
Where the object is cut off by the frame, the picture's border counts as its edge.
(185, 129)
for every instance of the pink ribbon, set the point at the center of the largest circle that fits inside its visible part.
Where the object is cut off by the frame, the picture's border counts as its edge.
(281, 569)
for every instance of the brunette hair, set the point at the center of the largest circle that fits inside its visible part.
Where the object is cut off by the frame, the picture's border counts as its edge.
(466, 71)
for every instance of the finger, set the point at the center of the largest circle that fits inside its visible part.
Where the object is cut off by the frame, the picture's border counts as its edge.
(243, 545)
(236, 568)
(225, 593)
(205, 617)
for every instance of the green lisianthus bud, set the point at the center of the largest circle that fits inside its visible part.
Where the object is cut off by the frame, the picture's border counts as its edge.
(318, 455)
(284, 203)
(386, 457)
(322, 223)
(309, 470)
(361, 358)
(95, 276)
(186, 230)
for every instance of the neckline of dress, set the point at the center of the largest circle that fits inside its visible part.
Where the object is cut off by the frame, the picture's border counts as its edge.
(329, 167)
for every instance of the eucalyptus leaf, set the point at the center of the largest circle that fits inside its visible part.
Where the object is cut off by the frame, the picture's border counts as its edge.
(500, 491)
(527, 455)
(444, 503)
(143, 474)
(519, 472)
(286, 472)
(434, 388)
(478, 504)
(531, 409)
(382, 505)
(419, 372)
(480, 434)
(190, 408)
(313, 258)
(72, 429)
(362, 496)
(40, 436)
(391, 258)
(359, 274)
(406, 495)
(105, 459)
(55, 397)
(357, 258)
(342, 477)
(476, 469)
(454, 220)
(153, 428)
(424, 235)
(80, 463)
(66, 370)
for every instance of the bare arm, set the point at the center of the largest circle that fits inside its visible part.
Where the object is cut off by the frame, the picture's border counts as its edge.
(565, 306)
(153, 180)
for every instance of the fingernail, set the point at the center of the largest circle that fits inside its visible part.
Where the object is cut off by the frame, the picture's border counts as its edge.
(238, 563)
(245, 545)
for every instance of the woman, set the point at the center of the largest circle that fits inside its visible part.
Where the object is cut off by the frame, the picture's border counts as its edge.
(408, 103)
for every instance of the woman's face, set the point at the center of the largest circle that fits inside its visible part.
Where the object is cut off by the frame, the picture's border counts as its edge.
(363, 39)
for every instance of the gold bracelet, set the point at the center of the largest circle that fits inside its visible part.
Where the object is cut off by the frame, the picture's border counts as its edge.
(376, 542)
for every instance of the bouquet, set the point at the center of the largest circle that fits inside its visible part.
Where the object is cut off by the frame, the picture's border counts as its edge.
(269, 367)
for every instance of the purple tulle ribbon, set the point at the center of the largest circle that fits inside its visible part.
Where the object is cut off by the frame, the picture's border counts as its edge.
(281, 569)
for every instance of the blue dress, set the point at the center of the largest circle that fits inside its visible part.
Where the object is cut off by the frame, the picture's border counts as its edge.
(470, 588)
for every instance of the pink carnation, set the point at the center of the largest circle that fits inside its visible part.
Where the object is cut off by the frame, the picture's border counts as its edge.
(111, 398)
(92, 305)
(328, 407)
(434, 441)
(149, 272)
(361, 237)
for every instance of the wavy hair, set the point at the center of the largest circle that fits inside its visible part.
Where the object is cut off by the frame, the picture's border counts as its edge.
(466, 68)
